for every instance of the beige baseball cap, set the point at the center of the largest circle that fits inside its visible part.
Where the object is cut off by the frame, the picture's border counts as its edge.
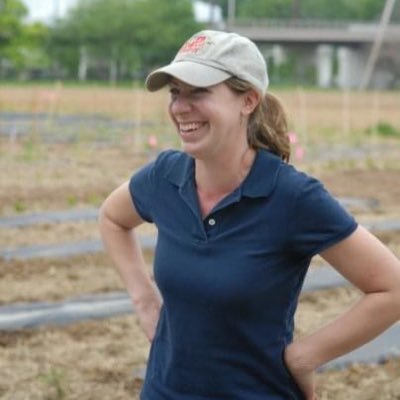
(210, 57)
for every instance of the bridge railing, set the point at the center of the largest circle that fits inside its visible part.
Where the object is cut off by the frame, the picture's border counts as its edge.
(307, 23)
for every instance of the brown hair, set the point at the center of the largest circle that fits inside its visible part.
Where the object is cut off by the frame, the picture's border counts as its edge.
(267, 127)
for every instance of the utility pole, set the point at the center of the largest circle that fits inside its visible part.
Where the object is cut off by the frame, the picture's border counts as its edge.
(211, 5)
(296, 9)
(231, 12)
(377, 45)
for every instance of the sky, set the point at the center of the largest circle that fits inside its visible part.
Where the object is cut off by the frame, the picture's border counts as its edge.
(45, 10)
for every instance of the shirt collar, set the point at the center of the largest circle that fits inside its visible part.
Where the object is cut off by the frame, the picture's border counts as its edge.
(262, 178)
(181, 170)
(260, 181)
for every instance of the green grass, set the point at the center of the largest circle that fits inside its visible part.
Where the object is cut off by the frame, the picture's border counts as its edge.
(54, 379)
(384, 129)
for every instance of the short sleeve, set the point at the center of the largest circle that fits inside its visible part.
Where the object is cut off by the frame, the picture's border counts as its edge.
(142, 189)
(317, 220)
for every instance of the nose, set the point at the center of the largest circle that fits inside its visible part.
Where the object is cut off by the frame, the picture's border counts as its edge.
(180, 105)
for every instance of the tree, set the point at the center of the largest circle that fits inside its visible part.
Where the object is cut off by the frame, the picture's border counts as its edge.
(122, 36)
(11, 15)
(27, 55)
(318, 9)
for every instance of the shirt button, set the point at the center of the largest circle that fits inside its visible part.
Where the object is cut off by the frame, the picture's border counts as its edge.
(211, 222)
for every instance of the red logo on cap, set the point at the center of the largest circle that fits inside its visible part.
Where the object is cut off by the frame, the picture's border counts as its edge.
(193, 45)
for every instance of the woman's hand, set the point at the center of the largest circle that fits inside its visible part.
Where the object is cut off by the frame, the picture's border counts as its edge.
(147, 308)
(301, 370)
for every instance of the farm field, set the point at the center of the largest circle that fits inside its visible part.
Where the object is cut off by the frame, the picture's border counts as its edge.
(49, 163)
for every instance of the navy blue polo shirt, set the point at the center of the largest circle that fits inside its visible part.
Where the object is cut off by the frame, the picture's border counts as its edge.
(230, 282)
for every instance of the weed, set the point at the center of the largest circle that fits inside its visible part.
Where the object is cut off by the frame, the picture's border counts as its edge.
(384, 129)
(19, 206)
(72, 200)
(54, 379)
(95, 199)
(31, 150)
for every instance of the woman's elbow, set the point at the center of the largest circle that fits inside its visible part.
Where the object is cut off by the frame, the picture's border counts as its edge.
(105, 221)
(103, 214)
(396, 301)
(393, 293)
(118, 213)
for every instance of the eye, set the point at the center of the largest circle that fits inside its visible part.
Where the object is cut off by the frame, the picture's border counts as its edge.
(174, 91)
(199, 90)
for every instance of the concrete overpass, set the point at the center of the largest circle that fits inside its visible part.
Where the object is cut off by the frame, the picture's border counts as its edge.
(313, 31)
(339, 50)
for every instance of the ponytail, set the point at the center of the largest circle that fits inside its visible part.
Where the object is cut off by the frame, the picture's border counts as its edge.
(267, 127)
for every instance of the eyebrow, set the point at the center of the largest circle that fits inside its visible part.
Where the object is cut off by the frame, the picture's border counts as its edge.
(190, 88)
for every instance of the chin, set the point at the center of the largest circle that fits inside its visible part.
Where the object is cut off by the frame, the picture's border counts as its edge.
(193, 150)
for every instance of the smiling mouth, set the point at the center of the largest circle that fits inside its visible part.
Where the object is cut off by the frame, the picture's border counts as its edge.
(186, 128)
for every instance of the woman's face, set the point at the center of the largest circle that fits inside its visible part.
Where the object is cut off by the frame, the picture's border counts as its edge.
(208, 120)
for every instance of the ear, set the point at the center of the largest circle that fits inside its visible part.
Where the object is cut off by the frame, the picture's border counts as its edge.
(251, 99)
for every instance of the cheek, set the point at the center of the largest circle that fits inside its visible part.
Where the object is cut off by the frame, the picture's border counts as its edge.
(170, 113)
(231, 115)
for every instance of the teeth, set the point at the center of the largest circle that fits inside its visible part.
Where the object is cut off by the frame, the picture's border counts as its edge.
(189, 126)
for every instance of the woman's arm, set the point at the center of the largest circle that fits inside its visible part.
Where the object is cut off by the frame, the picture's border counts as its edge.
(370, 266)
(118, 218)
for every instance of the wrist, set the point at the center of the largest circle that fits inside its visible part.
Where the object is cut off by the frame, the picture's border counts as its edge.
(145, 294)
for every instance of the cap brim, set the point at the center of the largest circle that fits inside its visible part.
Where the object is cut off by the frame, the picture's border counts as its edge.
(186, 71)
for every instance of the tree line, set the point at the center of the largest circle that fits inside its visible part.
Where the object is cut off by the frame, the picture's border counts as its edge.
(123, 39)
(365, 10)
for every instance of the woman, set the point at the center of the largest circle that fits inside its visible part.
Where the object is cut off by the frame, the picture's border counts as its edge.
(237, 228)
